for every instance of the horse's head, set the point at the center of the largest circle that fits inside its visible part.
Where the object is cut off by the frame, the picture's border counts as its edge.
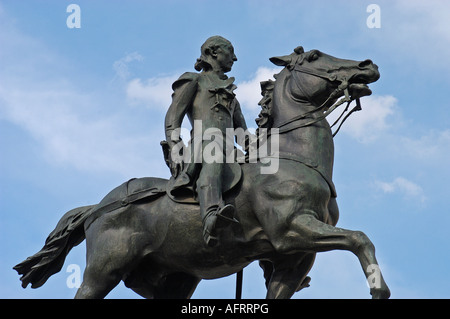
(319, 75)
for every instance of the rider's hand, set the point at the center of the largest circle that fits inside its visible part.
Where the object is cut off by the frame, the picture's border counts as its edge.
(176, 157)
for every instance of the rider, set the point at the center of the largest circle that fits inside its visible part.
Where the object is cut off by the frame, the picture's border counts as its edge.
(207, 97)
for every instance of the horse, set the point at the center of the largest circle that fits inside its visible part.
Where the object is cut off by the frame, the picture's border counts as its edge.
(154, 244)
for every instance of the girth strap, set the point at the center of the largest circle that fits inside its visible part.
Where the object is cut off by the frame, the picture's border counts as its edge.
(127, 200)
(311, 164)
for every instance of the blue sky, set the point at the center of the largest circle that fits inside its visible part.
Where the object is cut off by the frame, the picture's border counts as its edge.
(81, 111)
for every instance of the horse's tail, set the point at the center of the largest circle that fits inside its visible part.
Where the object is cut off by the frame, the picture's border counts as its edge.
(68, 233)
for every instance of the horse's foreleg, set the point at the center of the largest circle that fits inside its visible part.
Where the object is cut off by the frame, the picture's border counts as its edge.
(287, 275)
(306, 233)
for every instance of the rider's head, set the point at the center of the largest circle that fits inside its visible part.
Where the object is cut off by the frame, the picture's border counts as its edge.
(216, 53)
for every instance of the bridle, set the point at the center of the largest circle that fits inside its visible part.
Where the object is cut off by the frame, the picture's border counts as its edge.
(342, 88)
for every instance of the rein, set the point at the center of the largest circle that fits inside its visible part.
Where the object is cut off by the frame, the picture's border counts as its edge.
(342, 88)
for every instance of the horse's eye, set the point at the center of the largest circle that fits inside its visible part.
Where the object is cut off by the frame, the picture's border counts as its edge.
(314, 56)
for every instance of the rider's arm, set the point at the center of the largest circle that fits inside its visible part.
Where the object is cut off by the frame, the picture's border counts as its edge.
(239, 121)
(184, 90)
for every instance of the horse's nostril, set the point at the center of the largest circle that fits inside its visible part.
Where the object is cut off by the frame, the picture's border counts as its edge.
(365, 63)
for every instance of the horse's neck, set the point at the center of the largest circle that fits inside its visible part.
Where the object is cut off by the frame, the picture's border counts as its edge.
(285, 104)
(313, 143)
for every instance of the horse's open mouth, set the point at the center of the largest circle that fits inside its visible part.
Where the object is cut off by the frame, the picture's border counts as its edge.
(358, 90)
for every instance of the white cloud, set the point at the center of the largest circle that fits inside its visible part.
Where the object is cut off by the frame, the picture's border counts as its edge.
(427, 20)
(155, 92)
(68, 137)
(121, 65)
(432, 148)
(403, 186)
(71, 126)
(372, 121)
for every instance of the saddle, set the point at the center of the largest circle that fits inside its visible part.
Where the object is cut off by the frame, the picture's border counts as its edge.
(149, 188)
(232, 174)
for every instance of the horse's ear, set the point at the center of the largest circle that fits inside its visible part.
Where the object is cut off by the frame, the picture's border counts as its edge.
(299, 50)
(281, 60)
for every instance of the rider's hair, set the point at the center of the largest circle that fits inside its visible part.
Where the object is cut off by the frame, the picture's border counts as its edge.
(211, 44)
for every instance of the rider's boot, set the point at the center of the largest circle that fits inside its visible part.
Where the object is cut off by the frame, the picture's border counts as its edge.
(215, 219)
(215, 214)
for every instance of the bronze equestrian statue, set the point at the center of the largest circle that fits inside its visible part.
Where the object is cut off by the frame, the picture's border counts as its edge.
(144, 235)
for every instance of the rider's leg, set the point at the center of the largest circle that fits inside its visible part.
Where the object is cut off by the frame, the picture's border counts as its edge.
(212, 209)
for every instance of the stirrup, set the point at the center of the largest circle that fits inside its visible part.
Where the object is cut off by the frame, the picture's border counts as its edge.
(225, 216)
(215, 219)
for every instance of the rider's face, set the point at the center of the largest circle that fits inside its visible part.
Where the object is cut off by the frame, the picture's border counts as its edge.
(225, 57)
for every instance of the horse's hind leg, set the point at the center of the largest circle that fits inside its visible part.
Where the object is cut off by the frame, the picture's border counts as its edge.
(102, 274)
(109, 257)
(306, 233)
(96, 283)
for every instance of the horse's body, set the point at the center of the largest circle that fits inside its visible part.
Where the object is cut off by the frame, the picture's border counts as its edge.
(285, 218)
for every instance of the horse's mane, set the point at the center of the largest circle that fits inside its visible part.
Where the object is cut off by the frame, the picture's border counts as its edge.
(264, 119)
